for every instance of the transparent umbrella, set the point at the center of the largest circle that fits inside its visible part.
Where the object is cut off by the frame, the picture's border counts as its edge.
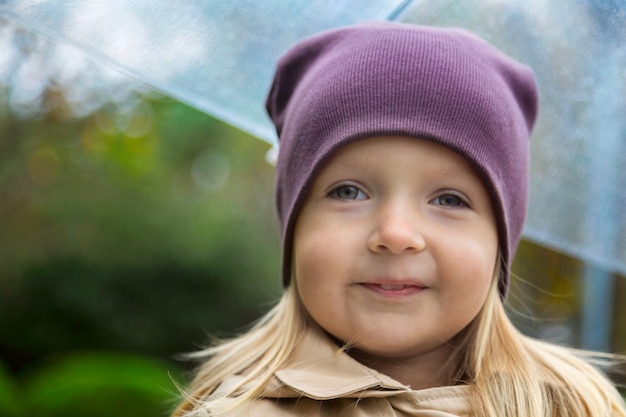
(219, 56)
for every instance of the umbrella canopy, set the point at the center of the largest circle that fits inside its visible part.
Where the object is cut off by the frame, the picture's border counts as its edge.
(219, 57)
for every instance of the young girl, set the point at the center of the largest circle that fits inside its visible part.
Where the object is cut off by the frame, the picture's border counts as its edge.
(401, 187)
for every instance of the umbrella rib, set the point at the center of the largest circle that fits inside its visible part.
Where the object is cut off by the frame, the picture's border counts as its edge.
(399, 10)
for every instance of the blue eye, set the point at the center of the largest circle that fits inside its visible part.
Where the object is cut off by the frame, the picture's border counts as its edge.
(347, 192)
(450, 200)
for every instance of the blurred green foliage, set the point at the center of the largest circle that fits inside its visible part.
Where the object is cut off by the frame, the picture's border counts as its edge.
(90, 384)
(135, 228)
(141, 243)
(10, 404)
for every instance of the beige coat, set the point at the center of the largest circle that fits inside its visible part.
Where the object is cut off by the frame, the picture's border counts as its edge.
(323, 381)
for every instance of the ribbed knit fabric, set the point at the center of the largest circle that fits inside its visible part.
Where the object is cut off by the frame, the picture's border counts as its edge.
(383, 79)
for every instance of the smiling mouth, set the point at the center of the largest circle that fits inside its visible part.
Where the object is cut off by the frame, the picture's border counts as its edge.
(393, 290)
(388, 287)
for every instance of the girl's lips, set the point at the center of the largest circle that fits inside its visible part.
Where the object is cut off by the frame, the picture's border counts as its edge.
(393, 289)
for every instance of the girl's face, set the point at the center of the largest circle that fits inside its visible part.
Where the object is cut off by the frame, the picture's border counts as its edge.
(395, 249)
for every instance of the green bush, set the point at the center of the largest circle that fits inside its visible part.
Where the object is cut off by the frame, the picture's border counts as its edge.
(99, 385)
(130, 245)
(10, 406)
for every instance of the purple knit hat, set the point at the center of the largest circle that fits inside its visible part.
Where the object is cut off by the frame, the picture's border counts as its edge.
(390, 79)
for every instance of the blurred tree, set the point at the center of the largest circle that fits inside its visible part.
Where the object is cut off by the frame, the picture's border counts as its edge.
(99, 385)
(129, 221)
(111, 250)
(10, 404)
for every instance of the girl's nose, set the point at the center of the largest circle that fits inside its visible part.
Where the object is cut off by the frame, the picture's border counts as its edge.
(397, 230)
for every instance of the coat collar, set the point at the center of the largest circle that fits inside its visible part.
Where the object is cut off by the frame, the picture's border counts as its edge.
(320, 370)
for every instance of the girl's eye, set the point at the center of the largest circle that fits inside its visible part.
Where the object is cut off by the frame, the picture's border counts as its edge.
(347, 192)
(450, 200)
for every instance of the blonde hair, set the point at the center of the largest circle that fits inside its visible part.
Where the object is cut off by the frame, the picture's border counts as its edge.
(516, 375)
(512, 375)
(255, 355)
